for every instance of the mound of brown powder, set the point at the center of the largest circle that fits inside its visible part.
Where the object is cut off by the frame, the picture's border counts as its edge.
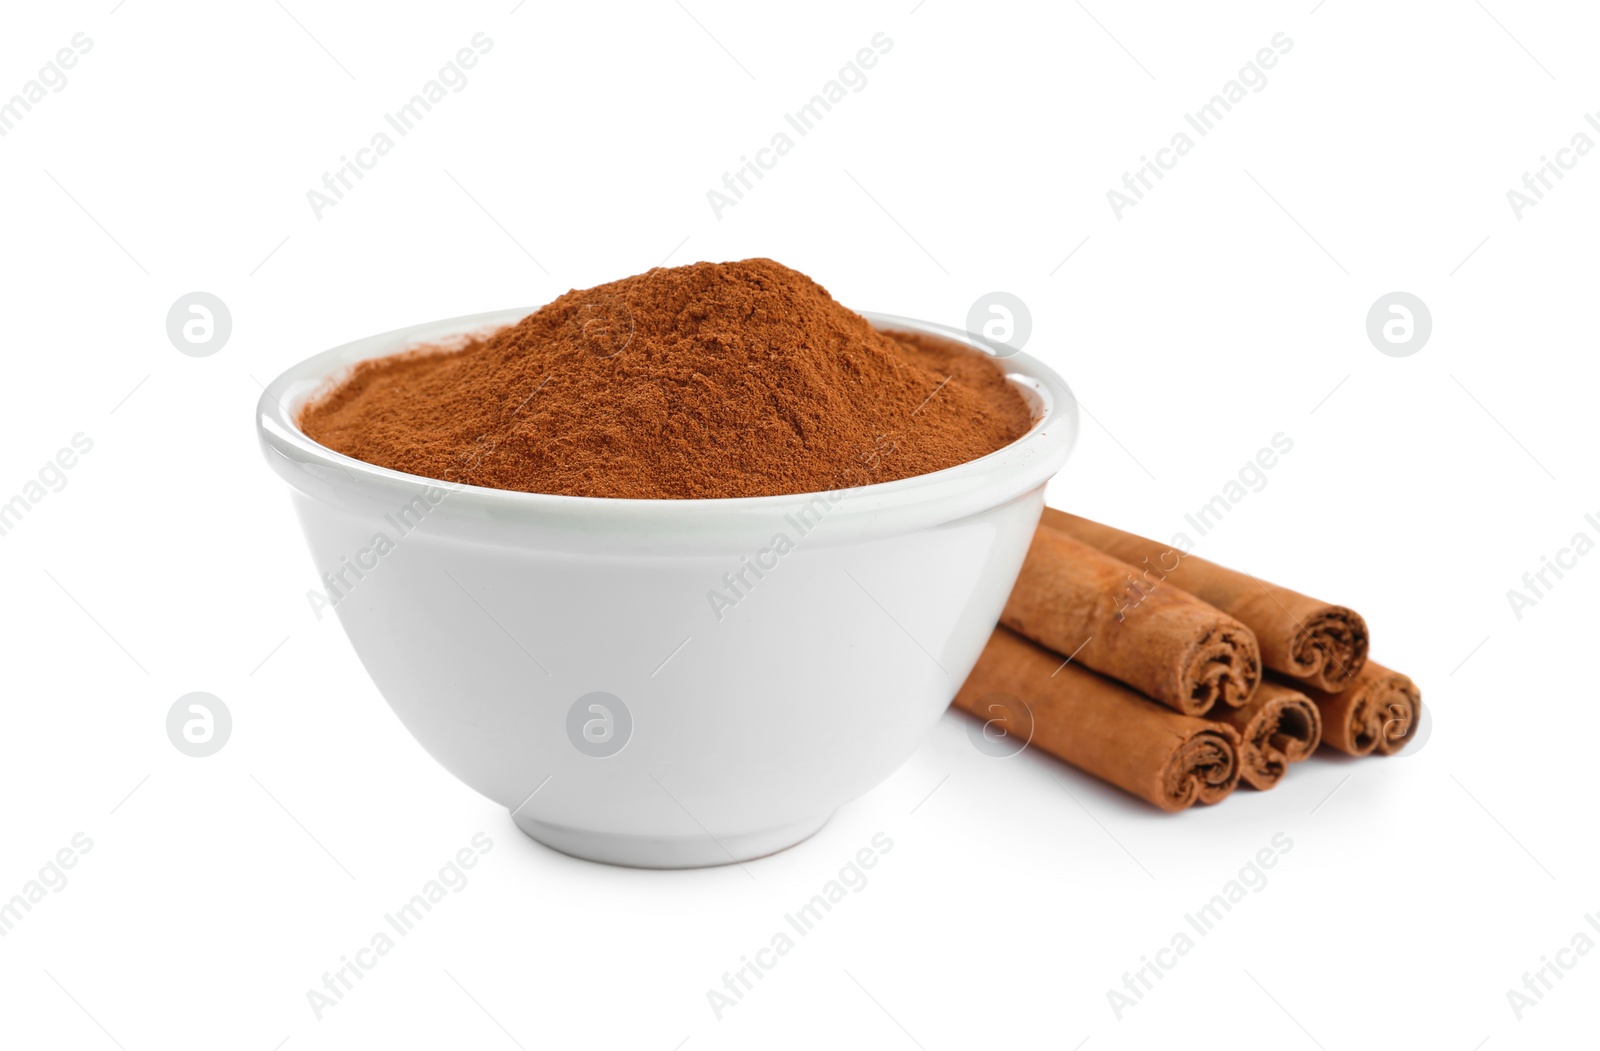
(711, 380)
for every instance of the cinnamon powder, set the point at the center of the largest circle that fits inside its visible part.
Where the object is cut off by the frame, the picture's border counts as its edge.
(711, 380)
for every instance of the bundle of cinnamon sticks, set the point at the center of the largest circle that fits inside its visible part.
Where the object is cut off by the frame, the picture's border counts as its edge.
(1175, 678)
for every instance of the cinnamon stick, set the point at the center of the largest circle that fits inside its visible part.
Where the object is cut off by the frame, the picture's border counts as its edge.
(1101, 726)
(1313, 642)
(1379, 712)
(1165, 643)
(1278, 726)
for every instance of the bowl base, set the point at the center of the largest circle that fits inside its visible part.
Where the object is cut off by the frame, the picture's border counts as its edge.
(668, 852)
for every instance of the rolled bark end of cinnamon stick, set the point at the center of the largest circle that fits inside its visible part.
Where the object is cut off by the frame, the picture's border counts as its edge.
(1379, 712)
(1313, 642)
(1115, 619)
(1279, 726)
(1225, 667)
(1329, 649)
(1402, 715)
(1100, 726)
(1204, 769)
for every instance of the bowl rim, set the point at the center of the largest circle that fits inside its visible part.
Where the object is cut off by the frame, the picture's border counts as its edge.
(1037, 455)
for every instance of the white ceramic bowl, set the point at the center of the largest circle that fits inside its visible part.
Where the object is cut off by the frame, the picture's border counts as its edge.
(524, 638)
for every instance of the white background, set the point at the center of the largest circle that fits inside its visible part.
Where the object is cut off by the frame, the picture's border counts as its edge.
(1226, 307)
